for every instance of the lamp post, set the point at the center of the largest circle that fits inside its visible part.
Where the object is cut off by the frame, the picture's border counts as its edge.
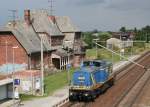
(66, 48)
(6, 43)
(13, 49)
(42, 69)
(68, 73)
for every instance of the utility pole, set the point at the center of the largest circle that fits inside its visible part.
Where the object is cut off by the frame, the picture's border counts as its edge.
(68, 67)
(6, 43)
(67, 49)
(42, 69)
(13, 49)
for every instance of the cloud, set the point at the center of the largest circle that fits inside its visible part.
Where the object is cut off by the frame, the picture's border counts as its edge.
(129, 5)
(88, 14)
(114, 4)
(86, 2)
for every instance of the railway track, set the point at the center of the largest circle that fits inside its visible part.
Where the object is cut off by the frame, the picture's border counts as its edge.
(130, 98)
(125, 81)
(143, 98)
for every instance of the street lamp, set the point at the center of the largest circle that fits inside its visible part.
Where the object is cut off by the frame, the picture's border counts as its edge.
(68, 66)
(66, 45)
(6, 43)
(13, 49)
(42, 69)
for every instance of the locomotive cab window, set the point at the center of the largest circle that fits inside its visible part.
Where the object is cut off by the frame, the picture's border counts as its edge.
(96, 64)
(86, 63)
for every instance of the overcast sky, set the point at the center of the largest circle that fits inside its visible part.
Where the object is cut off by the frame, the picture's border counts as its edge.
(87, 14)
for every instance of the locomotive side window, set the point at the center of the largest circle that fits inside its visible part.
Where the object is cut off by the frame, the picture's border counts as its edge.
(86, 63)
(97, 64)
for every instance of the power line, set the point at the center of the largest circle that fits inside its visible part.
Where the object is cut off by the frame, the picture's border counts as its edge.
(120, 55)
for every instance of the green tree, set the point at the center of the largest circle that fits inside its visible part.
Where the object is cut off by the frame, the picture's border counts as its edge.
(123, 29)
(88, 38)
(135, 30)
(104, 36)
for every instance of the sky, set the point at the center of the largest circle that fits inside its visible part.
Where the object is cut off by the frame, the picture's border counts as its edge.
(104, 15)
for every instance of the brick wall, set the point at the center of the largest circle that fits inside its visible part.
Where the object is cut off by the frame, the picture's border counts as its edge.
(20, 55)
(57, 40)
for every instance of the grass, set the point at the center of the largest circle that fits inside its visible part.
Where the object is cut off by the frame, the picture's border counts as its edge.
(56, 81)
(102, 54)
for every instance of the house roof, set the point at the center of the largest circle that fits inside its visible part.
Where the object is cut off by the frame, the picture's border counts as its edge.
(27, 37)
(4, 29)
(113, 40)
(42, 23)
(122, 35)
(65, 25)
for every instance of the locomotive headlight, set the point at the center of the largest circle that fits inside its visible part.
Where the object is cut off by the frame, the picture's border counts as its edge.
(71, 93)
(86, 94)
(88, 87)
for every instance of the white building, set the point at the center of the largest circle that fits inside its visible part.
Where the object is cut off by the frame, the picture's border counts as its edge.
(119, 43)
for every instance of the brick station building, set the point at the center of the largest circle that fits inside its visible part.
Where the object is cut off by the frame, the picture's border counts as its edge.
(20, 42)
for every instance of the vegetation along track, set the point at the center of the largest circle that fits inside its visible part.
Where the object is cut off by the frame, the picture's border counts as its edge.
(126, 80)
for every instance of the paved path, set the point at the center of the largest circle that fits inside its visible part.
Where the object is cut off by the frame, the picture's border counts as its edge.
(61, 94)
(50, 101)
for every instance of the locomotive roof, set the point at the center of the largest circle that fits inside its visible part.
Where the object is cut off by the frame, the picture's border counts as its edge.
(90, 69)
(102, 62)
(97, 60)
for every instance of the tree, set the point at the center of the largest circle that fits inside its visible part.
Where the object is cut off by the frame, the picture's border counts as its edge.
(88, 38)
(146, 29)
(104, 36)
(135, 30)
(95, 31)
(123, 29)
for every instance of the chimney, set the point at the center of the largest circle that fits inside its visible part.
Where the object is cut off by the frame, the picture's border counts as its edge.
(27, 17)
(52, 18)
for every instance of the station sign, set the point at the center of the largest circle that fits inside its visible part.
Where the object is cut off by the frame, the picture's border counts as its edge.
(68, 66)
(16, 81)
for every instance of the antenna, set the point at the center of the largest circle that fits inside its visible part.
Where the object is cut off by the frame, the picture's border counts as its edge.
(14, 15)
(51, 6)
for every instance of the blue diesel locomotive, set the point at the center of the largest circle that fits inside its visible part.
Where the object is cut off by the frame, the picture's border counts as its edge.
(92, 79)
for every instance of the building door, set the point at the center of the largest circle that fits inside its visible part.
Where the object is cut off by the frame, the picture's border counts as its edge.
(10, 90)
(56, 62)
(3, 92)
